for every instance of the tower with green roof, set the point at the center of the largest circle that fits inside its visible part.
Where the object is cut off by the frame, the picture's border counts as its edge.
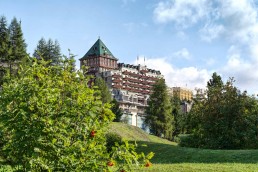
(99, 58)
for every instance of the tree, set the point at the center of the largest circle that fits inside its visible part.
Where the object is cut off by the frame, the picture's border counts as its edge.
(17, 45)
(49, 51)
(159, 117)
(72, 60)
(4, 46)
(224, 119)
(179, 116)
(41, 49)
(50, 120)
(116, 110)
(104, 92)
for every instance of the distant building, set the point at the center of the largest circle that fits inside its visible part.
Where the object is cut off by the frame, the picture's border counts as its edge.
(181, 93)
(185, 95)
(129, 84)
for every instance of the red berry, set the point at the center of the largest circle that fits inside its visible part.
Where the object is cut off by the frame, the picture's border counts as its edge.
(148, 164)
(92, 133)
(122, 170)
(110, 163)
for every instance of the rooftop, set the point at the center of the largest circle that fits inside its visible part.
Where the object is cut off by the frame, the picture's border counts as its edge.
(99, 49)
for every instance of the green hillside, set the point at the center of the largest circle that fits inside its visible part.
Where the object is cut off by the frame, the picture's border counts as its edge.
(171, 157)
(133, 133)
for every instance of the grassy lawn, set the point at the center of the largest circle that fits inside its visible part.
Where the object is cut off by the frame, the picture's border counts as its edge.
(171, 157)
(201, 167)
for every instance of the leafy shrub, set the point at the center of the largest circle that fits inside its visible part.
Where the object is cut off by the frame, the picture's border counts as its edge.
(190, 140)
(51, 121)
(112, 139)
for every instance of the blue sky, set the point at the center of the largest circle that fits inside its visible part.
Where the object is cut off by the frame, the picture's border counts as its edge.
(187, 40)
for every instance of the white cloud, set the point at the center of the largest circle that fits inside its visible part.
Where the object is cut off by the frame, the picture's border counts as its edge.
(230, 21)
(188, 76)
(182, 12)
(234, 19)
(242, 70)
(211, 31)
(183, 54)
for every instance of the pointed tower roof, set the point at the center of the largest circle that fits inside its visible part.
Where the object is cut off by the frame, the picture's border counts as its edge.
(99, 49)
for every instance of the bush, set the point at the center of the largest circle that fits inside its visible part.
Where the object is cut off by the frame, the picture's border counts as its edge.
(189, 140)
(51, 121)
(112, 139)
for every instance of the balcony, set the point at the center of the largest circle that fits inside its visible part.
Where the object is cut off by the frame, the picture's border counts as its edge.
(117, 86)
(117, 80)
(116, 76)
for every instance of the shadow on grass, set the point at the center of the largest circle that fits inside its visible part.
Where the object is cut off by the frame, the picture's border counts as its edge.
(169, 154)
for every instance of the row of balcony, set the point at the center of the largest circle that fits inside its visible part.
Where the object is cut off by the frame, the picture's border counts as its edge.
(131, 89)
(139, 75)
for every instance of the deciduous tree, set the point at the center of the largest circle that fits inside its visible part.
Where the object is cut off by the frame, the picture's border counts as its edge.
(224, 119)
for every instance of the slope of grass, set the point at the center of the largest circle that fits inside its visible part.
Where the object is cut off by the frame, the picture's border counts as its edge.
(133, 133)
(171, 157)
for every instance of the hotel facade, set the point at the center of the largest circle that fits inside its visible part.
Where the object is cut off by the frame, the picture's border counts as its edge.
(130, 85)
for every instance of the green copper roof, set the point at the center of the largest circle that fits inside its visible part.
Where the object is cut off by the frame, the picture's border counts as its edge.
(99, 49)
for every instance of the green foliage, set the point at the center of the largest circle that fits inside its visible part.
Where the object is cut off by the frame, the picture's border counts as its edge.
(179, 116)
(12, 47)
(159, 118)
(104, 92)
(112, 139)
(52, 121)
(17, 44)
(4, 46)
(226, 118)
(116, 110)
(49, 51)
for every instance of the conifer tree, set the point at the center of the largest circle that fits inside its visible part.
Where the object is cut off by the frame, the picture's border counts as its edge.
(17, 44)
(159, 111)
(41, 49)
(178, 115)
(4, 46)
(72, 60)
(49, 51)
(103, 90)
(4, 39)
(116, 110)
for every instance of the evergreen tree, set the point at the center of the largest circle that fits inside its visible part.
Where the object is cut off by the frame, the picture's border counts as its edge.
(17, 44)
(104, 92)
(159, 117)
(179, 117)
(4, 46)
(41, 49)
(4, 39)
(72, 60)
(116, 110)
(49, 51)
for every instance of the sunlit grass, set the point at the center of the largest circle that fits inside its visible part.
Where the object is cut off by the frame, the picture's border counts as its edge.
(171, 157)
